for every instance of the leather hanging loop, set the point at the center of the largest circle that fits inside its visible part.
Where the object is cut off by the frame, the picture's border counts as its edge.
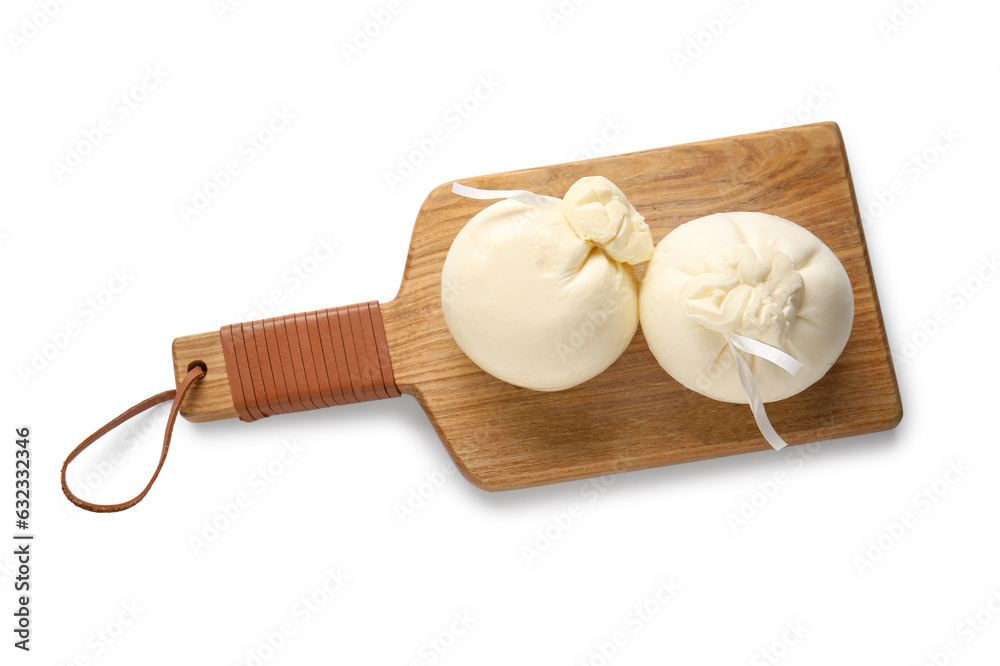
(177, 395)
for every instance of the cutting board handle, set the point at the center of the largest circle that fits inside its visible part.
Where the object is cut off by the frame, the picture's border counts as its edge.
(287, 364)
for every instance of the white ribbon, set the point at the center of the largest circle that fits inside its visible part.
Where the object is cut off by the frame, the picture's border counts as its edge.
(520, 196)
(765, 351)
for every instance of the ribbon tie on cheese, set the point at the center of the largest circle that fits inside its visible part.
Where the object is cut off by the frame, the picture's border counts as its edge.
(521, 196)
(784, 361)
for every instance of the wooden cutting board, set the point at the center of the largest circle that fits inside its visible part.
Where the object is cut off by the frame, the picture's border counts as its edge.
(632, 416)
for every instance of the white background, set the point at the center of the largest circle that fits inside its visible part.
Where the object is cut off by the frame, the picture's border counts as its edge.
(609, 68)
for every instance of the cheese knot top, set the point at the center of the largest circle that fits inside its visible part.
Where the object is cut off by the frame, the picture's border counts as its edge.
(599, 212)
(750, 292)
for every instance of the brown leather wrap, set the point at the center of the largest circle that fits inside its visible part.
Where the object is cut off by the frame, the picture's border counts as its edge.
(306, 361)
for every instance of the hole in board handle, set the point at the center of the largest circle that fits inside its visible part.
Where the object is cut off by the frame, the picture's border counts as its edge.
(198, 364)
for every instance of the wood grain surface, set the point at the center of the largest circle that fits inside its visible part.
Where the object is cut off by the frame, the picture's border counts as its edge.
(632, 416)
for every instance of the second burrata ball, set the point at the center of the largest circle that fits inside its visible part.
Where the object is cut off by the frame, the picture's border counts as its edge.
(749, 274)
(542, 302)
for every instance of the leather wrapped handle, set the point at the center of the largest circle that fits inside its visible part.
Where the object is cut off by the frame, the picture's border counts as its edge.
(287, 364)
